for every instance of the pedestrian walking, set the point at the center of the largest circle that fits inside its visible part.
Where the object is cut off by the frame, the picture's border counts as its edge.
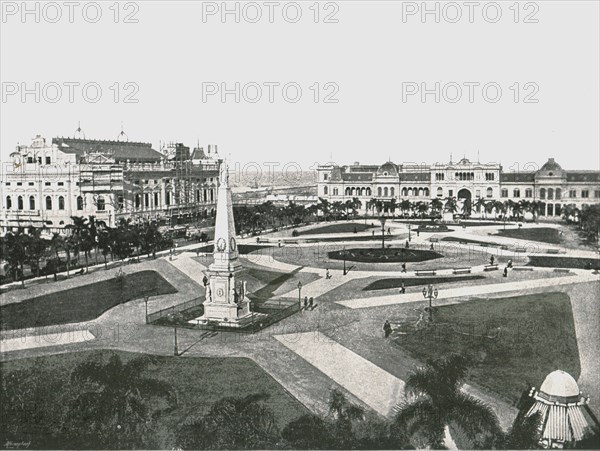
(491, 259)
(431, 247)
(387, 329)
(505, 273)
(403, 267)
(310, 303)
(327, 275)
(417, 232)
(373, 232)
(402, 288)
(305, 302)
(205, 281)
(406, 244)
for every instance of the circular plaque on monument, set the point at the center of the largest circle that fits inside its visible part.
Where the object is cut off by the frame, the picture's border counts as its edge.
(221, 244)
(220, 292)
(232, 243)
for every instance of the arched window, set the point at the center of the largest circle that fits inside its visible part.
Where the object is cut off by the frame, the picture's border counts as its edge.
(20, 202)
(32, 202)
(48, 203)
(420, 192)
(212, 195)
(138, 200)
(368, 191)
(516, 192)
(385, 192)
(156, 199)
(558, 193)
(440, 192)
(8, 202)
(392, 191)
(146, 200)
(100, 204)
(550, 193)
(168, 198)
(426, 192)
(79, 203)
(205, 195)
(489, 192)
(404, 192)
(410, 192)
(61, 203)
(325, 191)
(379, 191)
(543, 193)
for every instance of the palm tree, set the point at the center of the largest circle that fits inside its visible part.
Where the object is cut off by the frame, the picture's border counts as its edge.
(15, 253)
(344, 414)
(324, 206)
(405, 206)
(83, 239)
(437, 205)
(480, 204)
(112, 404)
(451, 205)
(436, 407)
(36, 249)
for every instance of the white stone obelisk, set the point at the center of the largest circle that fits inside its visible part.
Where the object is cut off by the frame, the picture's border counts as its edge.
(226, 300)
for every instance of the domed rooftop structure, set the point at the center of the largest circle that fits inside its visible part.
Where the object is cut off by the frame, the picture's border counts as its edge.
(559, 384)
(551, 165)
(565, 415)
(388, 169)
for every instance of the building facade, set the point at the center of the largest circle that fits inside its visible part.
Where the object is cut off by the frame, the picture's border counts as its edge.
(553, 186)
(44, 184)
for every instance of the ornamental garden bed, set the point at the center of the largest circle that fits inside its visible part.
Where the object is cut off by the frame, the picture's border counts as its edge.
(369, 255)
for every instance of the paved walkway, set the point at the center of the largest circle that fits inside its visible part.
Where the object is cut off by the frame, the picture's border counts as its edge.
(377, 388)
(466, 291)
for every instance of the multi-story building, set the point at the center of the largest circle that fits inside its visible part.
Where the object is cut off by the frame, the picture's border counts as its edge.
(550, 184)
(46, 184)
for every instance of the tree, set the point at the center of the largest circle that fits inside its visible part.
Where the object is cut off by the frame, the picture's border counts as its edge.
(232, 423)
(451, 205)
(111, 404)
(308, 432)
(437, 407)
(479, 204)
(82, 239)
(405, 206)
(344, 415)
(14, 250)
(36, 249)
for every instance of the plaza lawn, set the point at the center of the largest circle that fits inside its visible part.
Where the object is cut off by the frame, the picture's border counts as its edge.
(564, 262)
(542, 234)
(198, 381)
(378, 255)
(345, 227)
(243, 249)
(83, 303)
(512, 341)
(386, 284)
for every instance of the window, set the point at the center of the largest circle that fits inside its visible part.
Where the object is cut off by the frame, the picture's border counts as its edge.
(550, 193)
(379, 192)
(48, 160)
(477, 193)
(19, 183)
(450, 193)
(168, 198)
(120, 202)
(426, 192)
(8, 202)
(597, 194)
(440, 192)
(516, 192)
(325, 176)
(138, 200)
(489, 192)
(30, 159)
(585, 193)
(325, 191)
(392, 191)
(31, 183)
(31, 202)
(100, 204)
(48, 203)
(336, 192)
(528, 192)
(61, 183)
(504, 192)
(61, 203)
(439, 177)
(47, 184)
(572, 194)
(20, 202)
(7, 183)
(385, 192)
(489, 176)
(156, 199)
(543, 193)
(79, 203)
(147, 199)
(558, 193)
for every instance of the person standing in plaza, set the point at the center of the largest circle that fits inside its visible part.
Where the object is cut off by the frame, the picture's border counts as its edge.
(387, 329)
(310, 303)
(305, 302)
(403, 267)
(491, 259)
(402, 288)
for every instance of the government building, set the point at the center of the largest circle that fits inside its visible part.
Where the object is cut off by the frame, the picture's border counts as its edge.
(45, 183)
(549, 184)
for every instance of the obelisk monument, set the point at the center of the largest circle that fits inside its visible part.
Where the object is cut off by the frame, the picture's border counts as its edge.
(226, 301)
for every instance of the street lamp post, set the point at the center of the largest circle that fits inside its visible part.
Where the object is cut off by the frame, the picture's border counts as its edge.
(409, 238)
(382, 219)
(300, 294)
(146, 302)
(344, 254)
(430, 293)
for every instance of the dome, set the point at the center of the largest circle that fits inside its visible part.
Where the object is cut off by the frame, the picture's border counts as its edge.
(551, 165)
(388, 168)
(560, 385)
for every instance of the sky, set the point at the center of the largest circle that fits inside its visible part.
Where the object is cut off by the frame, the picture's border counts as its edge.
(311, 82)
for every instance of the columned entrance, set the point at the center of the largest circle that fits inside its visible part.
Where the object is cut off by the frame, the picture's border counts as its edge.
(465, 195)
